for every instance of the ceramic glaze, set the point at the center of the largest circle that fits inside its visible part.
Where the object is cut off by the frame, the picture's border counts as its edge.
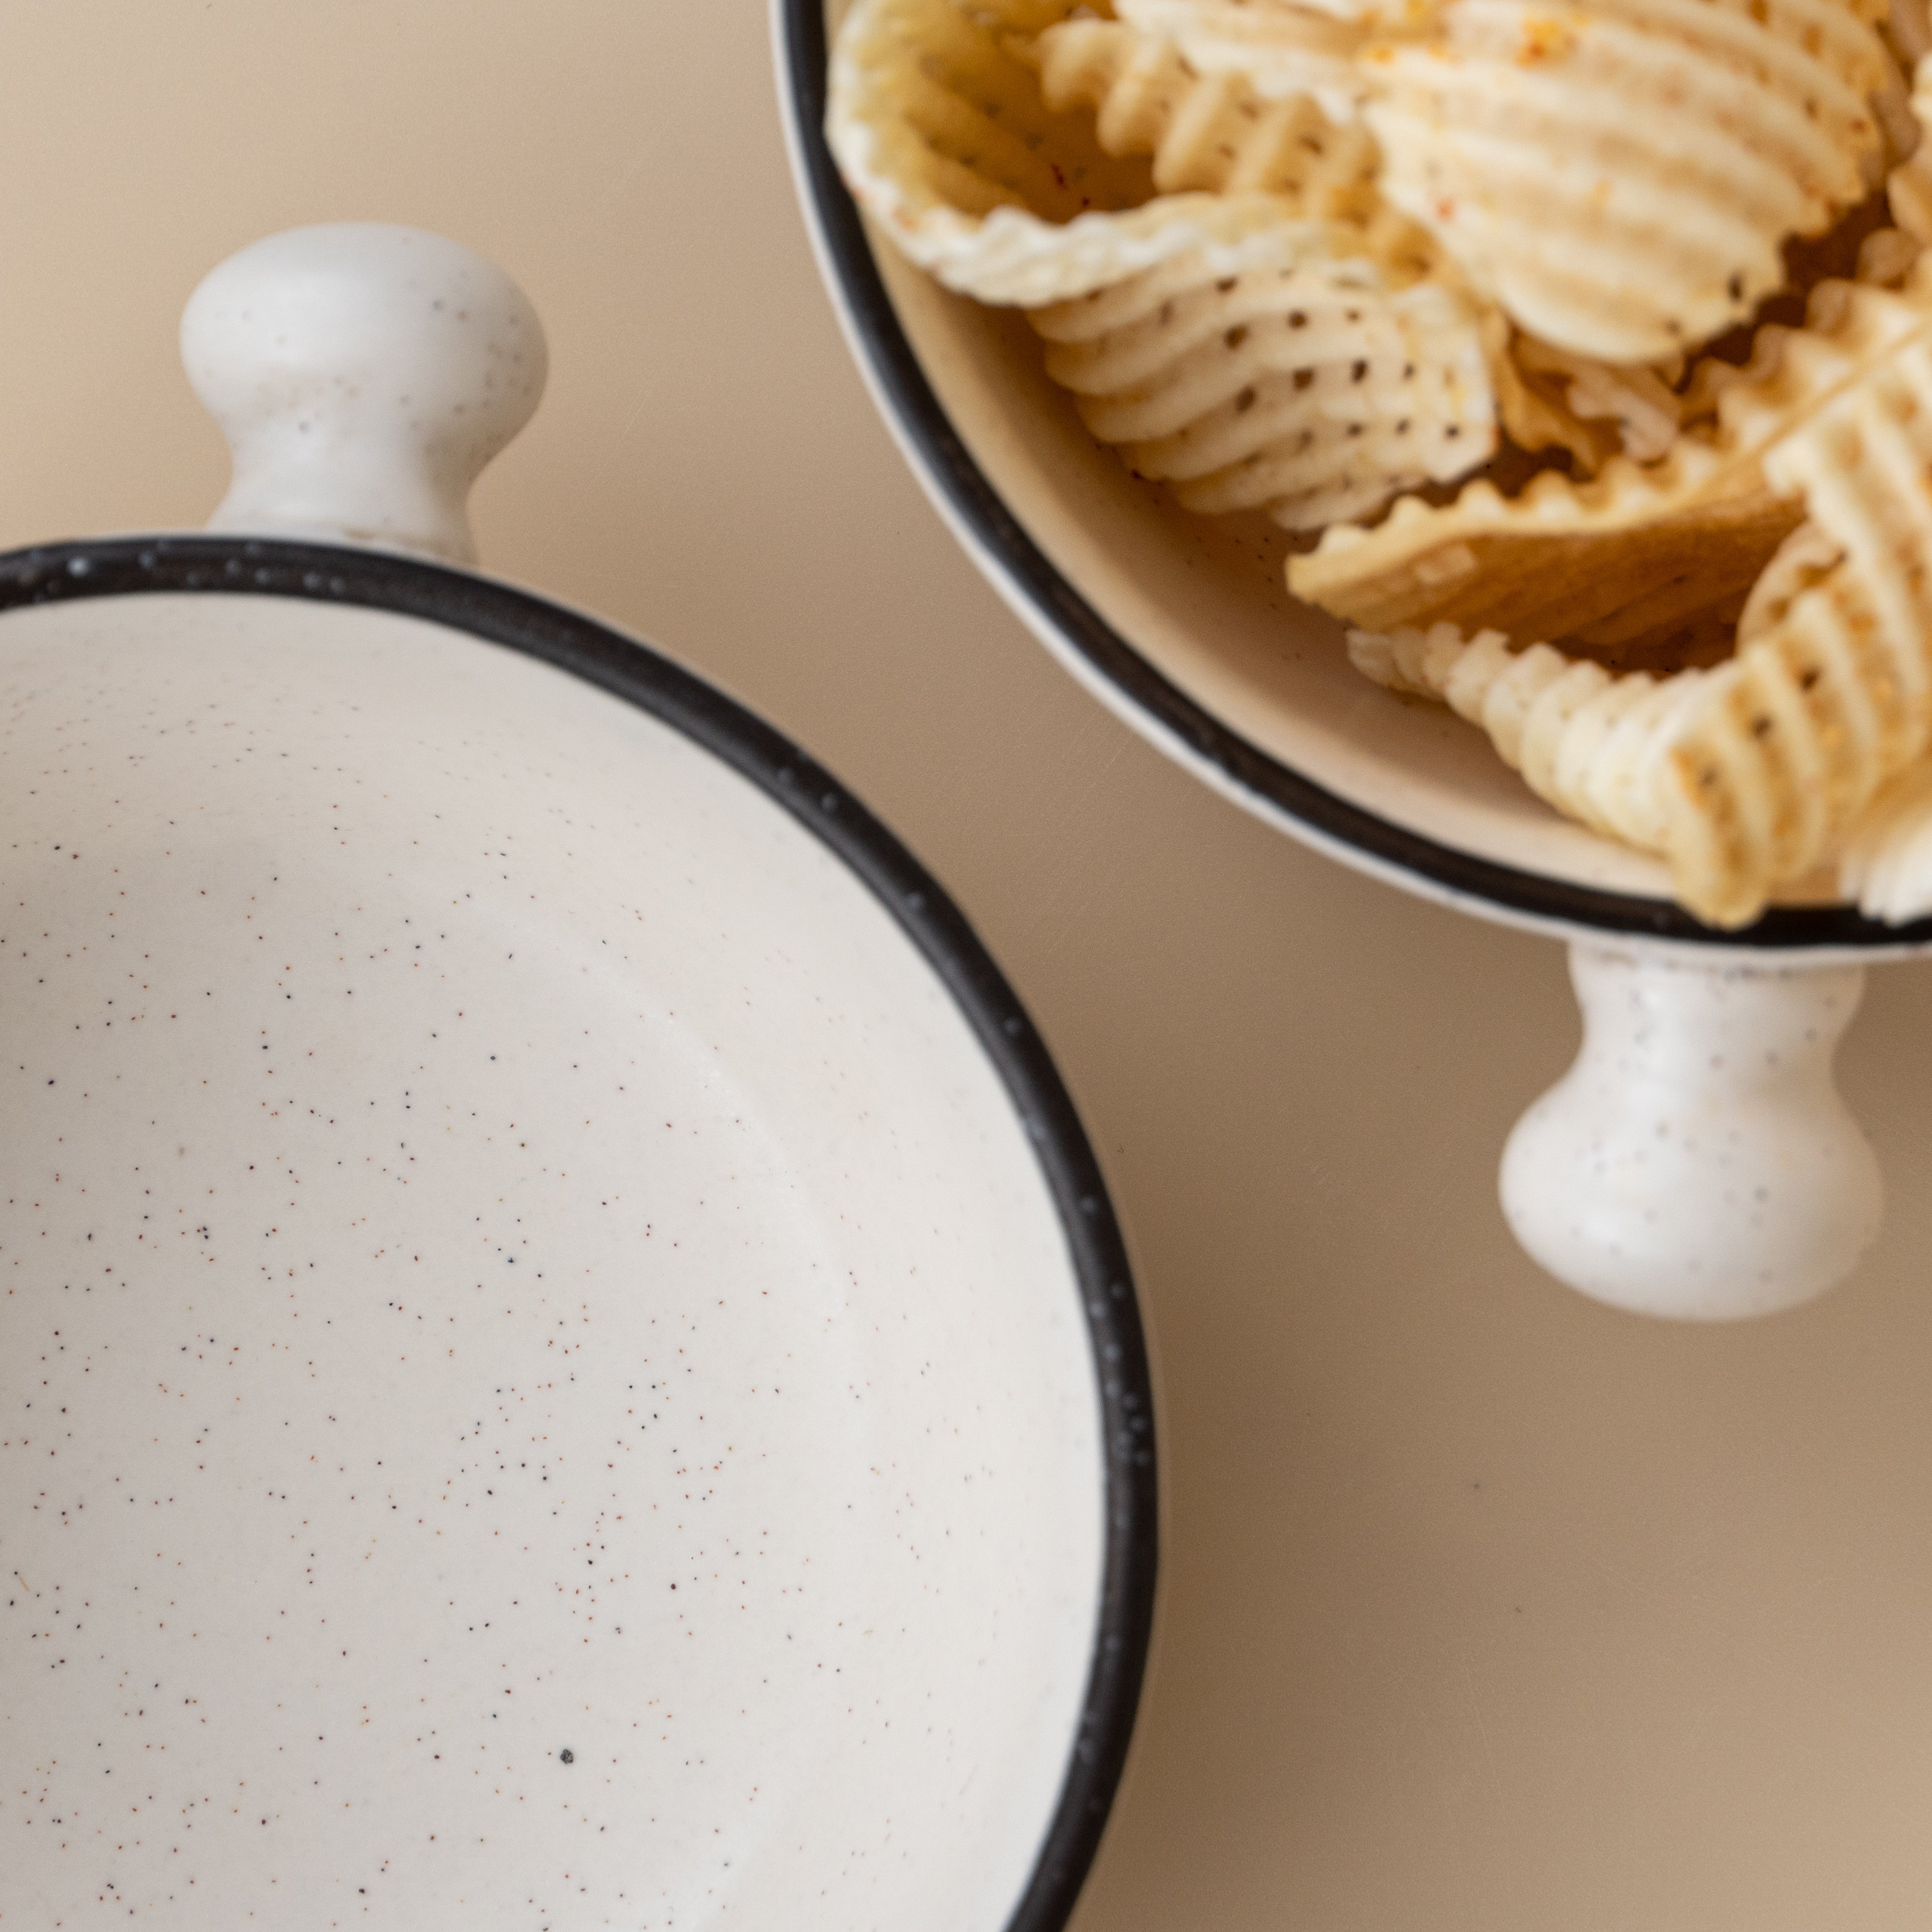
(1697, 1161)
(541, 1385)
(363, 374)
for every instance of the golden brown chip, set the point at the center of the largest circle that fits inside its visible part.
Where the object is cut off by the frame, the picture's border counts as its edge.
(1833, 701)
(1617, 566)
(1206, 238)
(1307, 386)
(1773, 756)
(1907, 28)
(1549, 398)
(1624, 567)
(1887, 257)
(1908, 186)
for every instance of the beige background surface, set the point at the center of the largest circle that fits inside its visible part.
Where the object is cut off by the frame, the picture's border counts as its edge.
(1484, 1608)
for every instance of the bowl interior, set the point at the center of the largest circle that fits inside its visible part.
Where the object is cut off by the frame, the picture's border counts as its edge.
(542, 1378)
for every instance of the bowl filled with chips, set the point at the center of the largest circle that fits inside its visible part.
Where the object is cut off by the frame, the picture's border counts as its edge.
(1492, 439)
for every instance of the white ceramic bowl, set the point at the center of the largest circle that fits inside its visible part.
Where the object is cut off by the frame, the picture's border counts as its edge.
(564, 1359)
(1183, 624)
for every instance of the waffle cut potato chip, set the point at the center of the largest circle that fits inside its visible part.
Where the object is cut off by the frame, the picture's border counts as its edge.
(1885, 863)
(1642, 567)
(1624, 755)
(1550, 398)
(1305, 384)
(1591, 743)
(1785, 746)
(1834, 700)
(1282, 48)
(1620, 175)
(938, 122)
(1747, 776)
(1646, 565)
(1211, 132)
(1801, 563)
(1909, 186)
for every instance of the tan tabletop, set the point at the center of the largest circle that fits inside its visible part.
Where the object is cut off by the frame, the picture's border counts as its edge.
(1483, 1608)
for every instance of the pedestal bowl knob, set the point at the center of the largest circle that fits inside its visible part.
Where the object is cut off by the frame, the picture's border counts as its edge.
(1696, 1160)
(363, 374)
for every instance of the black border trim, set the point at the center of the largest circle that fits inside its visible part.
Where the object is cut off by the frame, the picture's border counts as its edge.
(633, 671)
(951, 472)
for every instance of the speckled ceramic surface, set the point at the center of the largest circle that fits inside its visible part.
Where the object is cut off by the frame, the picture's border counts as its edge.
(1697, 1161)
(545, 1378)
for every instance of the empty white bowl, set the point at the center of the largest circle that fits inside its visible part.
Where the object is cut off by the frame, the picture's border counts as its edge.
(565, 1361)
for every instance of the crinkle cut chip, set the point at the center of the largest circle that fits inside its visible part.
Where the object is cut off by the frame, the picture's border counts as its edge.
(1306, 386)
(1528, 139)
(1213, 131)
(1611, 567)
(937, 120)
(1281, 48)
(1590, 743)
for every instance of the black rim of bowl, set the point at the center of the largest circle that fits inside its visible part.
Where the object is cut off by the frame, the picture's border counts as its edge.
(497, 614)
(951, 470)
